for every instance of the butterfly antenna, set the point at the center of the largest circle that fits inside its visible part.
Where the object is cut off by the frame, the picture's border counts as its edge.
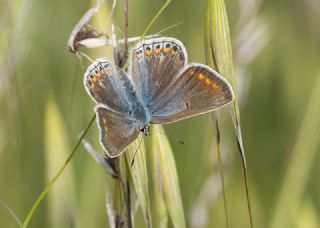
(170, 27)
(134, 155)
(171, 137)
(86, 56)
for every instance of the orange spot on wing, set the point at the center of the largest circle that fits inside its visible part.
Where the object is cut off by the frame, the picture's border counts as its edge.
(148, 52)
(173, 52)
(215, 86)
(201, 77)
(101, 73)
(157, 51)
(166, 50)
(208, 81)
(94, 79)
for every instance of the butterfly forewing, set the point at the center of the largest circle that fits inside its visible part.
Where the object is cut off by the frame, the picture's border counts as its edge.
(155, 64)
(117, 131)
(103, 84)
(198, 89)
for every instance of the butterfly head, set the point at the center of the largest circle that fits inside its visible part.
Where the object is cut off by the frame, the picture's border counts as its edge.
(145, 130)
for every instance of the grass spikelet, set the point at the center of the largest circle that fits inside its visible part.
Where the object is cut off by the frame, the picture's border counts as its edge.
(219, 56)
(139, 176)
(57, 148)
(165, 178)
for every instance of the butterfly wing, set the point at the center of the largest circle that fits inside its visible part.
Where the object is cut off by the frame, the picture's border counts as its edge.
(198, 89)
(106, 84)
(116, 100)
(154, 65)
(117, 131)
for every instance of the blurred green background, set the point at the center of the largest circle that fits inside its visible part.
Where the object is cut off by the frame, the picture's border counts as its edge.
(44, 108)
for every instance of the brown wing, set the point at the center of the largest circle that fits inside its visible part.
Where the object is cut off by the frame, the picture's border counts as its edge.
(198, 89)
(106, 84)
(117, 131)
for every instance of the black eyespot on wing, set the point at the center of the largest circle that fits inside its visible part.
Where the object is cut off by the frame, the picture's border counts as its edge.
(175, 48)
(181, 57)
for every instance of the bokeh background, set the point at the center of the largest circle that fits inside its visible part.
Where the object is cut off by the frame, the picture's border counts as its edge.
(44, 108)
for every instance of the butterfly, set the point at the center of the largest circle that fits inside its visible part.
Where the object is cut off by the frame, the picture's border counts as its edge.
(159, 88)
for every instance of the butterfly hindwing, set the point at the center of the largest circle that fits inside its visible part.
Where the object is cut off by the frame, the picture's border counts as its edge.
(198, 89)
(117, 131)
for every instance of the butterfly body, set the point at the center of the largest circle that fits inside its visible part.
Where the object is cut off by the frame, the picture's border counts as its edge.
(159, 88)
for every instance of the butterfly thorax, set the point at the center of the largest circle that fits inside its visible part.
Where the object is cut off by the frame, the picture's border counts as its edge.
(138, 112)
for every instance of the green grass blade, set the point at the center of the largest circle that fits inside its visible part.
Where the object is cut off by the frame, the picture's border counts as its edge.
(219, 56)
(139, 176)
(303, 155)
(56, 152)
(51, 183)
(165, 176)
(161, 209)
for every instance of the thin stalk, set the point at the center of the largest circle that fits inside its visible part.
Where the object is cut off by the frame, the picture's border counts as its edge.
(220, 166)
(49, 185)
(125, 53)
(11, 212)
(245, 177)
(128, 201)
(165, 5)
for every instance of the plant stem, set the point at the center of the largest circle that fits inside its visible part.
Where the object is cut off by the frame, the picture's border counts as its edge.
(125, 53)
(217, 128)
